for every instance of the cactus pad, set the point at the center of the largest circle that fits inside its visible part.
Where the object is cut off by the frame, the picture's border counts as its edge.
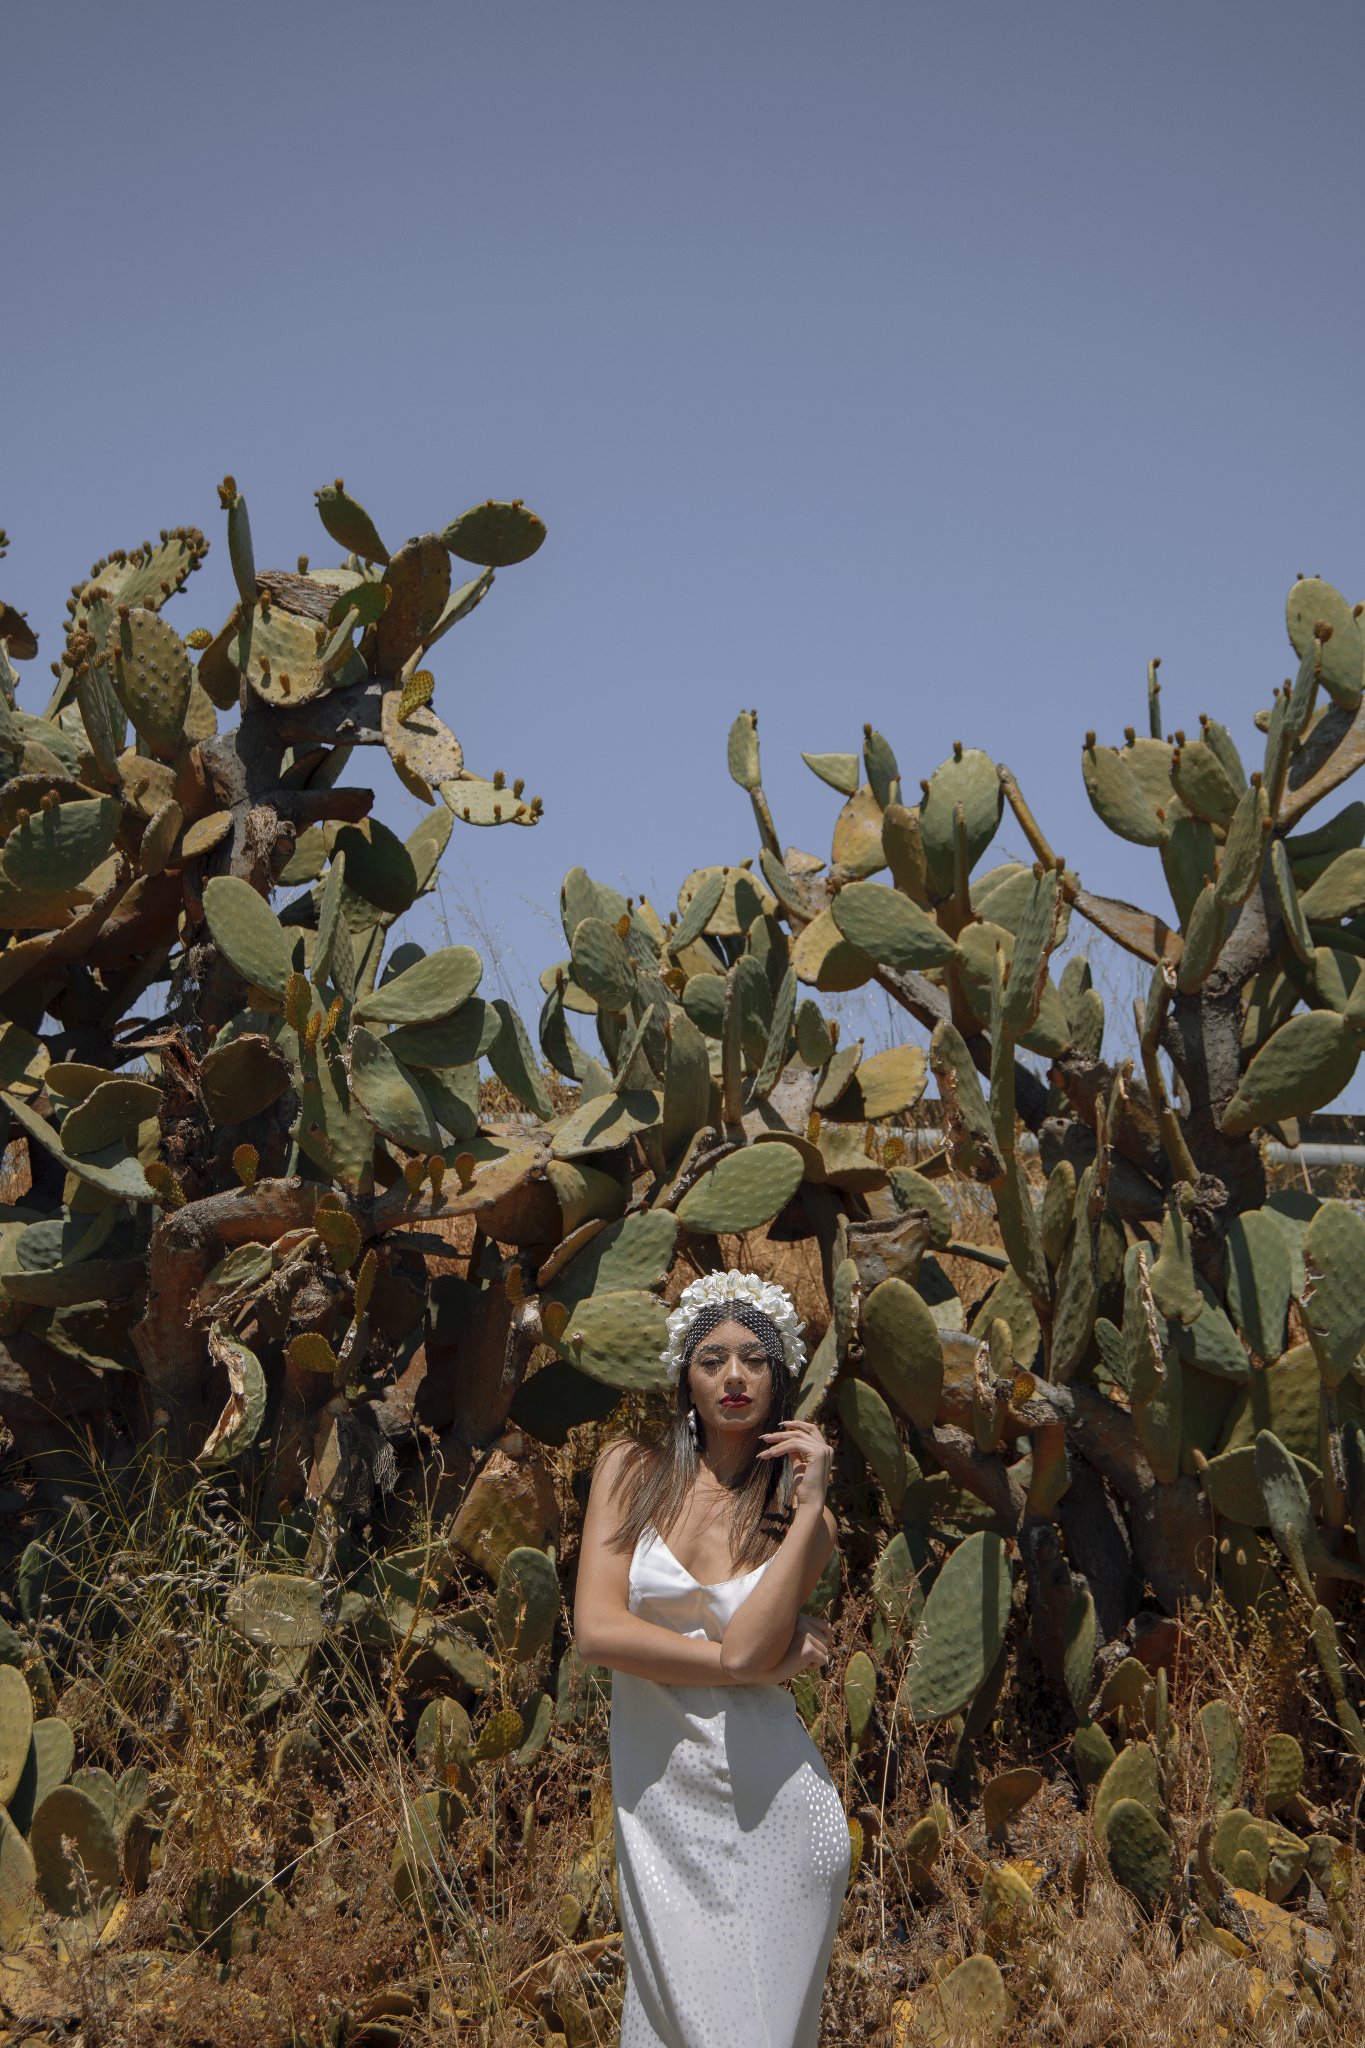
(915, 1194)
(825, 959)
(527, 1604)
(151, 673)
(557, 1398)
(902, 1343)
(860, 1695)
(889, 928)
(601, 964)
(635, 1253)
(896, 1586)
(379, 867)
(1334, 1250)
(17, 1884)
(241, 1078)
(971, 1134)
(970, 778)
(51, 1753)
(1302, 1065)
(1283, 1771)
(423, 1845)
(743, 1191)
(872, 1427)
(1202, 782)
(349, 524)
(476, 802)
(971, 2000)
(239, 1424)
(1134, 1774)
(442, 1733)
(59, 848)
(962, 1630)
(451, 1041)
(1092, 1752)
(618, 1338)
(277, 1611)
(605, 1122)
(1139, 1851)
(495, 534)
(1007, 1795)
(16, 1729)
(1221, 1737)
(1118, 797)
(113, 1110)
(1339, 891)
(1312, 603)
(417, 578)
(67, 1812)
(423, 749)
(390, 1095)
(426, 992)
(1259, 1281)
(248, 933)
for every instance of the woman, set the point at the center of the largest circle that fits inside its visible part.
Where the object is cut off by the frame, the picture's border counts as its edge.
(732, 1845)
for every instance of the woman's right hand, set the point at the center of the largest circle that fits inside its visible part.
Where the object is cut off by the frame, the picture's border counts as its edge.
(812, 1640)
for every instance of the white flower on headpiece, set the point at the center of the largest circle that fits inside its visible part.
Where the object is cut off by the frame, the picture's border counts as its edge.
(714, 1288)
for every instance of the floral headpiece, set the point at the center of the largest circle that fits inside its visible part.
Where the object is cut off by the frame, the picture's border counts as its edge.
(715, 1288)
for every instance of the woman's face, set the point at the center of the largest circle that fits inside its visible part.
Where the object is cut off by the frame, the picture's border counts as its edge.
(730, 1380)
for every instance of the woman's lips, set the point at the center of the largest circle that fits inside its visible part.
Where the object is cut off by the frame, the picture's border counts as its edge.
(742, 1402)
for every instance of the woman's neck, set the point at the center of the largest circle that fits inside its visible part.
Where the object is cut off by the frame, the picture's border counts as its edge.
(721, 1479)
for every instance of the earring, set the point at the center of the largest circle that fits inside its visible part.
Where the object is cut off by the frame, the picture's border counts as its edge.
(692, 1424)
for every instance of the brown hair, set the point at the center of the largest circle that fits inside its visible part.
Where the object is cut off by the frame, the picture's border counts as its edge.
(657, 1477)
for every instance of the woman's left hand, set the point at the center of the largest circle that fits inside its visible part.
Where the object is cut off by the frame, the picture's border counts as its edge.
(811, 1456)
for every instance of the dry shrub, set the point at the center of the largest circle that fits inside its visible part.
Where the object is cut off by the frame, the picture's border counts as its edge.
(494, 1960)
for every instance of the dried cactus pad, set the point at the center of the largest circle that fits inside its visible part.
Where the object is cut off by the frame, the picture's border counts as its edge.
(281, 654)
(277, 1611)
(423, 749)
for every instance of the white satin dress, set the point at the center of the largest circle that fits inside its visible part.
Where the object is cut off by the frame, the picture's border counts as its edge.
(732, 1844)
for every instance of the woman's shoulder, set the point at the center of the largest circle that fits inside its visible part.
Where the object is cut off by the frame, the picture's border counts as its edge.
(616, 1458)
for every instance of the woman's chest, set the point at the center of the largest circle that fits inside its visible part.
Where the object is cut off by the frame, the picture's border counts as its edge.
(701, 1540)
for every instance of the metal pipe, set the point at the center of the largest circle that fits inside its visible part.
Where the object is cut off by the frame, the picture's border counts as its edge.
(1310, 1152)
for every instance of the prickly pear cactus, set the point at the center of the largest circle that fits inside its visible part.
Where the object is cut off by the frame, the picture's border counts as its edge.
(266, 1219)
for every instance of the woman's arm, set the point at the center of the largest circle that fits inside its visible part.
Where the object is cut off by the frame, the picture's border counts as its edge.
(606, 1632)
(760, 1630)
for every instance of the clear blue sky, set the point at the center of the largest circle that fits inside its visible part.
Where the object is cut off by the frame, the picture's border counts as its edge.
(933, 366)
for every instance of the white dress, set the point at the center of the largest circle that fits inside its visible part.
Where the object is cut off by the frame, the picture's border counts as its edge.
(732, 1844)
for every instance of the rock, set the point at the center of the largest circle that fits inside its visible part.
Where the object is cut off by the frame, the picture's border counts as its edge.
(510, 1502)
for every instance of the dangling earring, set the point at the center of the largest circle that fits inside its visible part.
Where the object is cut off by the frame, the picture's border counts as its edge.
(692, 1424)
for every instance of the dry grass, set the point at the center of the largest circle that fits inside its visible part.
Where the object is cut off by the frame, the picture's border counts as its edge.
(496, 1957)
(517, 1940)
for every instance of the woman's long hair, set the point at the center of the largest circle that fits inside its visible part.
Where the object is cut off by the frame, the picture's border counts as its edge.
(657, 1478)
